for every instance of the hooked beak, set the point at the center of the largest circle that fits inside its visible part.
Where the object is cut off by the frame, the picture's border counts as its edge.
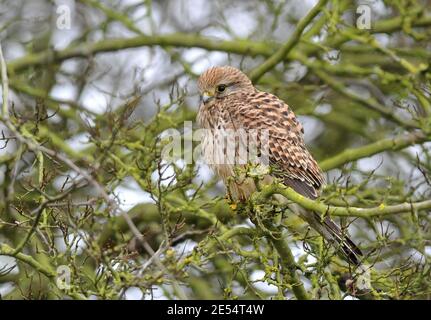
(207, 97)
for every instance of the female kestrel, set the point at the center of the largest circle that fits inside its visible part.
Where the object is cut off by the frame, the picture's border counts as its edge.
(232, 105)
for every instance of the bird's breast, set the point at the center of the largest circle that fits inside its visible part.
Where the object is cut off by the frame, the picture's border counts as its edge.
(226, 151)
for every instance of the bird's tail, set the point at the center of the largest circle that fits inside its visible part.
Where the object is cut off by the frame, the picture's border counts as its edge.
(333, 233)
(340, 240)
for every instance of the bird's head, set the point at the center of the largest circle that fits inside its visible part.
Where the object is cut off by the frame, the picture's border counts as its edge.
(219, 82)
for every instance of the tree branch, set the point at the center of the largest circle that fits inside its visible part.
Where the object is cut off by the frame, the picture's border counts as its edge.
(289, 264)
(281, 53)
(318, 206)
(243, 47)
(389, 144)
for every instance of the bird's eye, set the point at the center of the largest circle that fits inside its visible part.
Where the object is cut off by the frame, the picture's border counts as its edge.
(221, 88)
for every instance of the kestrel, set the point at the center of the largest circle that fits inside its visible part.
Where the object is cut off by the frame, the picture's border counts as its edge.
(231, 104)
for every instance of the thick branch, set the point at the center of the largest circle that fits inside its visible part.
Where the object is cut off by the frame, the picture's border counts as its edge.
(243, 47)
(8, 251)
(389, 144)
(289, 265)
(318, 206)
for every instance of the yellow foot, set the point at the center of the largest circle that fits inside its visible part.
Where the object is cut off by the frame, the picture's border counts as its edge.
(233, 206)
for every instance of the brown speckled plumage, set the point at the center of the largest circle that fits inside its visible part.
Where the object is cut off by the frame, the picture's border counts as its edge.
(251, 109)
(240, 106)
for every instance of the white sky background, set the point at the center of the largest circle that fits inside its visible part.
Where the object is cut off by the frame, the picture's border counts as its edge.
(118, 73)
